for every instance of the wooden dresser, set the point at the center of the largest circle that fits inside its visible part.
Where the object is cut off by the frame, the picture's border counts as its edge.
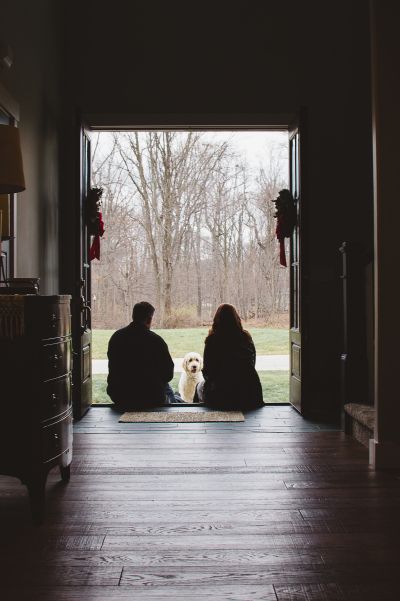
(35, 391)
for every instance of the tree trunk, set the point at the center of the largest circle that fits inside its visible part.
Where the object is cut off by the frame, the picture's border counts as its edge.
(167, 295)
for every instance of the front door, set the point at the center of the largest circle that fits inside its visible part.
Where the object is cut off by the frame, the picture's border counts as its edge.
(81, 317)
(296, 158)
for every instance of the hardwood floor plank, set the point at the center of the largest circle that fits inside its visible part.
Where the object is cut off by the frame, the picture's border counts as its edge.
(267, 528)
(220, 481)
(338, 592)
(318, 506)
(310, 592)
(86, 542)
(126, 515)
(262, 575)
(228, 469)
(79, 576)
(274, 491)
(264, 542)
(184, 556)
(124, 593)
(369, 529)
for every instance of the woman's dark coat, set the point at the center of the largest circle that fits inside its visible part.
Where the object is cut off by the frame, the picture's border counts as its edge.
(231, 381)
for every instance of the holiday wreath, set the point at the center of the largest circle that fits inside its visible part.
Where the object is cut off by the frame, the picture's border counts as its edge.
(286, 216)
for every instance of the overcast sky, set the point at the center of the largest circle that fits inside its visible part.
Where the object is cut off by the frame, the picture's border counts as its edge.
(254, 146)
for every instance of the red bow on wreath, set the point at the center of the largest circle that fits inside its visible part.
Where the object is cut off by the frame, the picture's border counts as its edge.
(94, 252)
(94, 221)
(286, 217)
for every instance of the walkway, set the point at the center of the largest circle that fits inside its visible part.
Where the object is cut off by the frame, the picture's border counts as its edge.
(263, 363)
(273, 509)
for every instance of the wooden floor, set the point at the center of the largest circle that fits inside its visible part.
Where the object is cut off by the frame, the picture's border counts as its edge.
(275, 509)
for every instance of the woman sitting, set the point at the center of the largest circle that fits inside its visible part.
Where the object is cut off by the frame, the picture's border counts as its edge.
(230, 378)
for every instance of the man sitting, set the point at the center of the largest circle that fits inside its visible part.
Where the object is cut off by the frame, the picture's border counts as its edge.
(139, 364)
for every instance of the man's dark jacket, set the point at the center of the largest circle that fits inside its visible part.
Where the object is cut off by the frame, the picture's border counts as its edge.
(139, 367)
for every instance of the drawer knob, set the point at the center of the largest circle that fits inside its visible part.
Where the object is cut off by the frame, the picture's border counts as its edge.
(53, 319)
(55, 359)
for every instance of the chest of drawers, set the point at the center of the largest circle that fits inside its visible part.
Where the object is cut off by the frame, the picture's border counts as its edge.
(35, 391)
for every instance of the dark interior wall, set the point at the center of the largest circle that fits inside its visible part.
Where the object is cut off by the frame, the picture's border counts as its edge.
(31, 30)
(260, 57)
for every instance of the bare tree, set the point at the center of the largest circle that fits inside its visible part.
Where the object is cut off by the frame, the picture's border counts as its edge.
(169, 173)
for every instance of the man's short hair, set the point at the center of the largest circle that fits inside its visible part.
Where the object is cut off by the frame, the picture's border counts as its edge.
(142, 312)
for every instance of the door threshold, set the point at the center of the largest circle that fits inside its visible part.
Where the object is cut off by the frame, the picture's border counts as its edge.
(159, 406)
(286, 404)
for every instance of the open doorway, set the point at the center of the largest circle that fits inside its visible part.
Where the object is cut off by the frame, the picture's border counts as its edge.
(212, 241)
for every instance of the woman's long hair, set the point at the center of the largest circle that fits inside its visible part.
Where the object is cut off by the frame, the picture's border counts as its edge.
(227, 323)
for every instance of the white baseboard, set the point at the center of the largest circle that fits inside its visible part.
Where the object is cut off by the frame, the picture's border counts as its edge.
(384, 455)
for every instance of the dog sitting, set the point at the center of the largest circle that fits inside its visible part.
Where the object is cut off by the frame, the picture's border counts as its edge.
(190, 377)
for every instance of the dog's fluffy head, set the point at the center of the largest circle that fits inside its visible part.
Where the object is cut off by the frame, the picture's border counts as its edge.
(192, 363)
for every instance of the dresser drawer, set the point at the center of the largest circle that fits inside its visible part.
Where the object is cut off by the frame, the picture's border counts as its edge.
(57, 439)
(47, 317)
(56, 359)
(55, 397)
(56, 323)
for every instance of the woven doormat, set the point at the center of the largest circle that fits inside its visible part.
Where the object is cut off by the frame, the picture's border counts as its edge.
(181, 416)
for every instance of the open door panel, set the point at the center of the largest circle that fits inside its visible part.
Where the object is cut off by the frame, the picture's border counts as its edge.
(81, 309)
(297, 288)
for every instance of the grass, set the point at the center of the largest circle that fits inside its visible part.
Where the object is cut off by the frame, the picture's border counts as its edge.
(275, 385)
(268, 341)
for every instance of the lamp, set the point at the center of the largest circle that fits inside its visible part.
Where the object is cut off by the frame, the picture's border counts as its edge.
(11, 171)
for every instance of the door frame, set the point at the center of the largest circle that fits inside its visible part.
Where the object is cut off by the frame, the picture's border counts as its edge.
(192, 122)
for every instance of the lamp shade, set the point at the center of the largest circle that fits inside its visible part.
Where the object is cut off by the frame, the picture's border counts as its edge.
(4, 216)
(11, 170)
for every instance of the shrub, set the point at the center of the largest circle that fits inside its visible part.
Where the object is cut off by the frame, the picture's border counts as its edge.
(183, 317)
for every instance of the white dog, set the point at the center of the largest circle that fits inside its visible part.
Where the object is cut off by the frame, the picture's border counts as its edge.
(191, 376)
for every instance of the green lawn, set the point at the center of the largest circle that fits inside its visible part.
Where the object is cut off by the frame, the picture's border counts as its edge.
(180, 341)
(275, 386)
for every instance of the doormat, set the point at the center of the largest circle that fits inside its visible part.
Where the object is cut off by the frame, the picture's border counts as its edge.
(181, 416)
